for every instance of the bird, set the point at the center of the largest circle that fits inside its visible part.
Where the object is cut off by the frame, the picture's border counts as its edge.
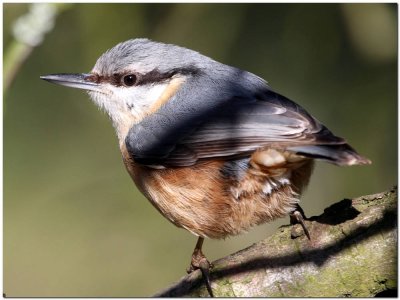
(213, 147)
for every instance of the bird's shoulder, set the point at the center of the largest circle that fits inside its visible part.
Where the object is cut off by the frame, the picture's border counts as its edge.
(222, 117)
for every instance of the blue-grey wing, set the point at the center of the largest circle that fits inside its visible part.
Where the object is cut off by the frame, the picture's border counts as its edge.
(228, 123)
(245, 126)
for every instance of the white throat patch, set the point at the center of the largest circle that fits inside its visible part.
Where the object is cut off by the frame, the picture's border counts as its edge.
(127, 106)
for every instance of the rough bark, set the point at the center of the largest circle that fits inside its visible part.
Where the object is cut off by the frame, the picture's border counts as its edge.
(352, 253)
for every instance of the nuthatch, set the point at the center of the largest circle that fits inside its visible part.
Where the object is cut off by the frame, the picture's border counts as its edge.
(212, 147)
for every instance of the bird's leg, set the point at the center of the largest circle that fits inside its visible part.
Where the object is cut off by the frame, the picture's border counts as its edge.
(297, 217)
(199, 261)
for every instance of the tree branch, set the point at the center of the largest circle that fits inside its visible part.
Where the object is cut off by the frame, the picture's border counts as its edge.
(352, 253)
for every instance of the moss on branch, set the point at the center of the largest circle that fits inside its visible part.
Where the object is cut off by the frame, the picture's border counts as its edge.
(352, 253)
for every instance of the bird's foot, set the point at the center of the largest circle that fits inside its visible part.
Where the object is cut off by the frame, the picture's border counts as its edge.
(298, 217)
(199, 261)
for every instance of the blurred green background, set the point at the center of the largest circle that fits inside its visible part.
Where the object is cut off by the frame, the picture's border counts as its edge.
(75, 225)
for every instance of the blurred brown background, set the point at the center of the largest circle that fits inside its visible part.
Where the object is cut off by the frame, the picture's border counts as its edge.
(74, 224)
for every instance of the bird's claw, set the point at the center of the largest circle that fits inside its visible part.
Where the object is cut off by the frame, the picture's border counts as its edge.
(199, 261)
(298, 217)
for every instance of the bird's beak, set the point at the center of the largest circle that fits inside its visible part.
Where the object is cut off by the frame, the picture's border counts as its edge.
(79, 81)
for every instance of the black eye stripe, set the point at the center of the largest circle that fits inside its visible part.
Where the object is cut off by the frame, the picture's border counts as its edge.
(154, 76)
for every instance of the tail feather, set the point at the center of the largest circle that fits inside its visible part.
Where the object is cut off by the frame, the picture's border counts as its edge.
(342, 154)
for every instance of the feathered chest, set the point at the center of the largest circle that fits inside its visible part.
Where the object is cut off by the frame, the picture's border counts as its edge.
(220, 198)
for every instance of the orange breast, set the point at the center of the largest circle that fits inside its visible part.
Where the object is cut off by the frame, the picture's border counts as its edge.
(209, 202)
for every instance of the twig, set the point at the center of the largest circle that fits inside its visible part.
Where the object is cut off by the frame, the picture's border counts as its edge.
(352, 253)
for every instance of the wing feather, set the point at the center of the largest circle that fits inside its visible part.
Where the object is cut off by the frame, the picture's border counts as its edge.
(227, 123)
(244, 127)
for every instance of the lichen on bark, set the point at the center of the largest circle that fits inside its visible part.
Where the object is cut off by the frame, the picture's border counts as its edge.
(352, 253)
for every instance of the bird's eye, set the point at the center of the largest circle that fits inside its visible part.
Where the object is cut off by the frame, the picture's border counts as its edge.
(129, 80)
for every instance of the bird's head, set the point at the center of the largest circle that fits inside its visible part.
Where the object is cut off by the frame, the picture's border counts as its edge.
(135, 78)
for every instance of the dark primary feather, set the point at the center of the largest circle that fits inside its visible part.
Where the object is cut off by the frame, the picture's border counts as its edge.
(226, 117)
